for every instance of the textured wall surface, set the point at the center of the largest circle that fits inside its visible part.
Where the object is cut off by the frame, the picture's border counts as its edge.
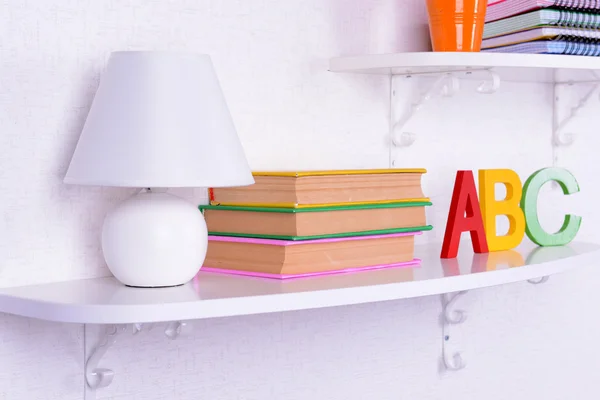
(520, 341)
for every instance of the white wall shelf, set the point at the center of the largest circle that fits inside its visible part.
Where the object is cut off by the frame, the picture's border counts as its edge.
(511, 67)
(106, 301)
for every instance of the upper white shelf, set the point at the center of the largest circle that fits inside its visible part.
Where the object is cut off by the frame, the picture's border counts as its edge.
(106, 301)
(511, 67)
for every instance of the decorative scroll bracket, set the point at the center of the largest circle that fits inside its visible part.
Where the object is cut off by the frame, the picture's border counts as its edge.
(446, 85)
(559, 136)
(174, 329)
(97, 377)
(451, 316)
(490, 86)
(539, 281)
(101, 377)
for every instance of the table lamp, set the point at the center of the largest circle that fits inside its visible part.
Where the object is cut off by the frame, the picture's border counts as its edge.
(159, 120)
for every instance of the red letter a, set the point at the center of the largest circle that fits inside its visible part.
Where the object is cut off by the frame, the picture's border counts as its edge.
(464, 216)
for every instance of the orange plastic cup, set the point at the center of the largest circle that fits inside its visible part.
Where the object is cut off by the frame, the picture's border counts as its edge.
(456, 25)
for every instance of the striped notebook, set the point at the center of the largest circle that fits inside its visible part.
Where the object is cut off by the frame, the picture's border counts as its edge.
(553, 33)
(550, 47)
(541, 18)
(499, 9)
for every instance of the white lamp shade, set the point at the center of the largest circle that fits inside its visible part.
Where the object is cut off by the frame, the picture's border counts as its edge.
(159, 119)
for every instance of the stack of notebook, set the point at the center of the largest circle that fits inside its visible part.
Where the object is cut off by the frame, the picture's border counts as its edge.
(543, 27)
(294, 224)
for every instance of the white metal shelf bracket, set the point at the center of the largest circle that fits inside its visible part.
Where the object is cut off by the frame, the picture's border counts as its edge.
(101, 377)
(446, 85)
(97, 377)
(452, 361)
(174, 329)
(538, 281)
(490, 86)
(559, 136)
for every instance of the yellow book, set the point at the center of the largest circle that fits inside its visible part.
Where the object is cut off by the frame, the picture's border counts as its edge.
(298, 174)
(319, 205)
(309, 189)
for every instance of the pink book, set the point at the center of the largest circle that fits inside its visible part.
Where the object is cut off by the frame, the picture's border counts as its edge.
(287, 259)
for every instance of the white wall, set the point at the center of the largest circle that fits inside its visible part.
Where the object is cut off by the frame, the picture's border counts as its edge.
(521, 341)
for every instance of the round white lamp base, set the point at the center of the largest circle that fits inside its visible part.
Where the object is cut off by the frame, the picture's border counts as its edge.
(154, 239)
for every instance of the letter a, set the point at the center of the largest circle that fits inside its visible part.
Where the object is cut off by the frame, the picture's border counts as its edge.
(464, 216)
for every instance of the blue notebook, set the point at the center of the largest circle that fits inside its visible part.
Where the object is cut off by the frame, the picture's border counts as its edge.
(554, 33)
(550, 47)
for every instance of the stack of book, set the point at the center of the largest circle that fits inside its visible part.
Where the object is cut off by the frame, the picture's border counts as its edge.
(543, 27)
(294, 224)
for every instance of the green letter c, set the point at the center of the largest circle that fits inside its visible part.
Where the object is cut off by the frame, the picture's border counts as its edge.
(531, 190)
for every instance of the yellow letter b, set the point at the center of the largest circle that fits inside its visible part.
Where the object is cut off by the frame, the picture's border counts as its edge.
(490, 207)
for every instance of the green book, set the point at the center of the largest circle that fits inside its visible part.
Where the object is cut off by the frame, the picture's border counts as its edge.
(316, 209)
(316, 223)
(327, 236)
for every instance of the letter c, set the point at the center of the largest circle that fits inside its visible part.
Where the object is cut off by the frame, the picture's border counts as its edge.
(531, 190)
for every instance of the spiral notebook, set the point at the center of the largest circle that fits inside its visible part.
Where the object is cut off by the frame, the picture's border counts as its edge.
(541, 18)
(550, 47)
(507, 8)
(548, 33)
